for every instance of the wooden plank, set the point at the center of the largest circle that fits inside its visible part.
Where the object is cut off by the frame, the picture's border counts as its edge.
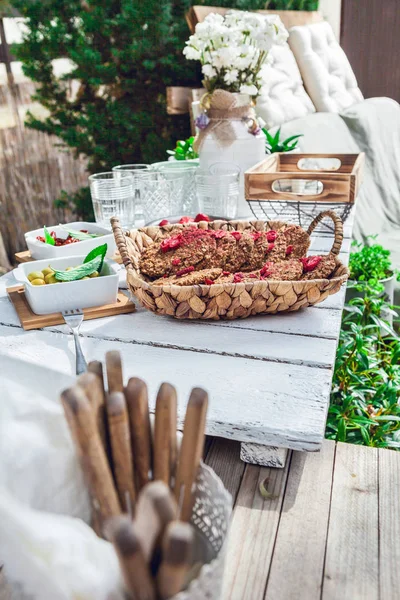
(223, 457)
(30, 320)
(351, 566)
(154, 330)
(265, 456)
(389, 523)
(256, 401)
(252, 534)
(324, 244)
(303, 527)
(307, 322)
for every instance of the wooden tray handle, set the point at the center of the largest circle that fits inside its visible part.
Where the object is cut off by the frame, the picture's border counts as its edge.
(338, 233)
(121, 242)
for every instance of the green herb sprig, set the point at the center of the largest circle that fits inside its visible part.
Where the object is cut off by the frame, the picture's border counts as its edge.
(92, 262)
(80, 235)
(47, 237)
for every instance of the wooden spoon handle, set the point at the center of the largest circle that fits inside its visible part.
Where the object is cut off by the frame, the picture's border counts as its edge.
(94, 390)
(118, 424)
(139, 419)
(165, 433)
(136, 572)
(114, 371)
(190, 451)
(177, 550)
(91, 452)
(156, 507)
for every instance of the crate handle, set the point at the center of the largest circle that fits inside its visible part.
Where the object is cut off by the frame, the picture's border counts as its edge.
(321, 160)
(338, 233)
(301, 181)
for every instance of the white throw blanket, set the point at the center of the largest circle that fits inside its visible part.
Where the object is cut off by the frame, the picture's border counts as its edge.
(371, 126)
(47, 555)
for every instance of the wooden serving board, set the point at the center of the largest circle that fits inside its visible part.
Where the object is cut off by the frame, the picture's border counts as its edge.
(30, 320)
(25, 256)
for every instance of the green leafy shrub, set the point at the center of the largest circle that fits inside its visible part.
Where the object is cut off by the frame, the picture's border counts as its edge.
(370, 263)
(365, 396)
(123, 54)
(184, 150)
(274, 143)
(79, 202)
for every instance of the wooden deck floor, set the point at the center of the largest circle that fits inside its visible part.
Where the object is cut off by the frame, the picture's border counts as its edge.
(330, 530)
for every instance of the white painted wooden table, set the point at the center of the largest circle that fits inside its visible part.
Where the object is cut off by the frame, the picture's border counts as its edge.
(268, 377)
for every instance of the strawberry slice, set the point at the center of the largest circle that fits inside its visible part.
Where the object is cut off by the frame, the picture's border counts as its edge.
(201, 217)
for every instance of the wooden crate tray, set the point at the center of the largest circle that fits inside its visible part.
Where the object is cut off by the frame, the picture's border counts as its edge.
(30, 320)
(340, 185)
(25, 256)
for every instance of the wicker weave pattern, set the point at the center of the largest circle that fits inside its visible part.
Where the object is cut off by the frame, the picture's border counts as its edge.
(226, 300)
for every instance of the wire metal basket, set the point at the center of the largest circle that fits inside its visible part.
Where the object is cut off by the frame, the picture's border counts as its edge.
(299, 212)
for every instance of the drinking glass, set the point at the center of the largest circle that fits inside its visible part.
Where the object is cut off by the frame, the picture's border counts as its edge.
(113, 195)
(187, 171)
(218, 191)
(136, 170)
(162, 195)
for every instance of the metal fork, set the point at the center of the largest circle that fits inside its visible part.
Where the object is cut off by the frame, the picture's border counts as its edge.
(73, 319)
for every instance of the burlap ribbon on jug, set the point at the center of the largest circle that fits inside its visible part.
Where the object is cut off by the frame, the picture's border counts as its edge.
(222, 111)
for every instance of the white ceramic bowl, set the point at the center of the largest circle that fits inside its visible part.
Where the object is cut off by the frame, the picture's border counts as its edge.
(40, 250)
(56, 297)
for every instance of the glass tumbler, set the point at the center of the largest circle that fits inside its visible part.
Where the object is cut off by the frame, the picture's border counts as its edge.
(162, 194)
(218, 193)
(187, 171)
(136, 170)
(113, 195)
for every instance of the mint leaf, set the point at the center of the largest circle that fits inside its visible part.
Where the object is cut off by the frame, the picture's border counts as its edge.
(80, 271)
(47, 237)
(99, 251)
(80, 235)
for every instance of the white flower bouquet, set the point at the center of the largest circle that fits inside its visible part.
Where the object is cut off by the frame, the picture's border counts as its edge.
(233, 49)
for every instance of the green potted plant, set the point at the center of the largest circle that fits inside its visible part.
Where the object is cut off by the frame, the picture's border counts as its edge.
(275, 144)
(371, 268)
(183, 150)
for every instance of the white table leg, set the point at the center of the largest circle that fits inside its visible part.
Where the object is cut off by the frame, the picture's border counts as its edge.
(265, 456)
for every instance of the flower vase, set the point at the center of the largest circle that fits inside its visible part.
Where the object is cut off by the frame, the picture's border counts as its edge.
(230, 134)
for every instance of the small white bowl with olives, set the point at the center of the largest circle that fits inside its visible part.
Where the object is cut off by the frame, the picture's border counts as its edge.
(48, 290)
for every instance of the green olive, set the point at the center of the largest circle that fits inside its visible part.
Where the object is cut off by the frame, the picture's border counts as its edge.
(95, 274)
(47, 271)
(50, 278)
(35, 275)
(38, 281)
(84, 278)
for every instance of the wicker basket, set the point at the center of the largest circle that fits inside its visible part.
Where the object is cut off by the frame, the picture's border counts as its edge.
(225, 300)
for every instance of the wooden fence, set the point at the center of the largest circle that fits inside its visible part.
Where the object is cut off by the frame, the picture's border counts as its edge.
(33, 168)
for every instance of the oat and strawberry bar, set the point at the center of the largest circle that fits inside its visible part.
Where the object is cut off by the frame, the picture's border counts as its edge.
(297, 241)
(318, 267)
(205, 248)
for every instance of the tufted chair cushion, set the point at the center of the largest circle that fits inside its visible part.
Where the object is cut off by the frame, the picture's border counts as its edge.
(326, 71)
(283, 97)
